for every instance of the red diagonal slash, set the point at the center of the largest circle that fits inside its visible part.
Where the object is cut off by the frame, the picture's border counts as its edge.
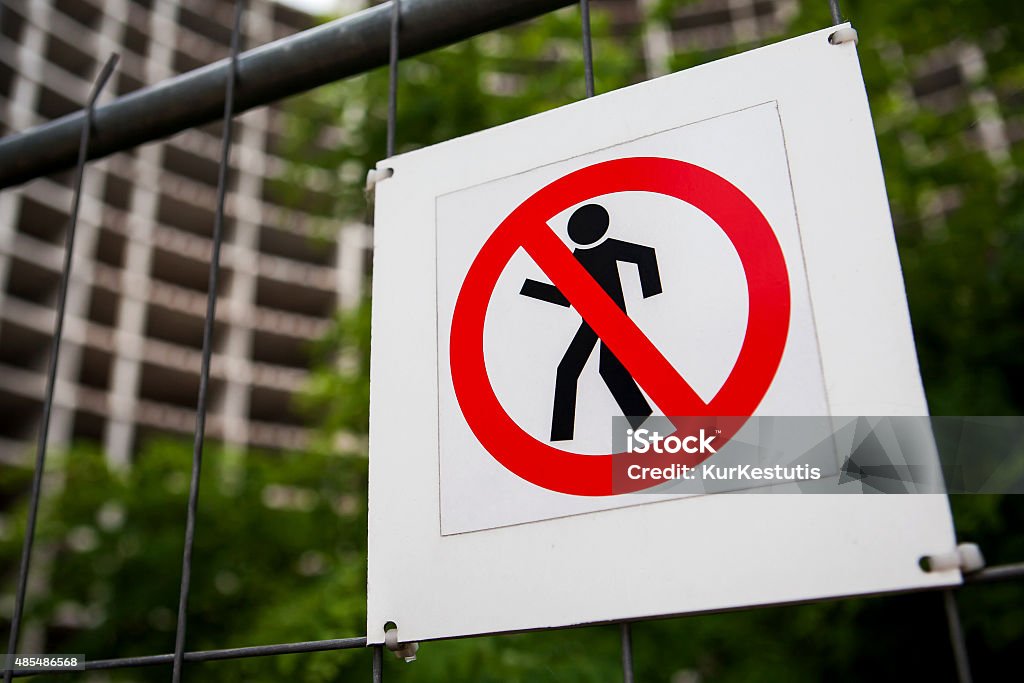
(645, 362)
(526, 227)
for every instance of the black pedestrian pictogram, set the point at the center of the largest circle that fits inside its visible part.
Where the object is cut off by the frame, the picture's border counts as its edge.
(587, 225)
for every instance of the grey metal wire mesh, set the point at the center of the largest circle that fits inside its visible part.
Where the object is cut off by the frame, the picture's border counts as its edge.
(498, 14)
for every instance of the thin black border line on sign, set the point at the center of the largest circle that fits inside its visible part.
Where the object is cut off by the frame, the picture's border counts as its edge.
(661, 497)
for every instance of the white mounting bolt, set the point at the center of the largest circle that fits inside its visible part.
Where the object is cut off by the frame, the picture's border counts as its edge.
(846, 34)
(967, 558)
(971, 559)
(375, 175)
(406, 651)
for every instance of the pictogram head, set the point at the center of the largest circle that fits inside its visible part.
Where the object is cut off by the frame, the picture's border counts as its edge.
(588, 224)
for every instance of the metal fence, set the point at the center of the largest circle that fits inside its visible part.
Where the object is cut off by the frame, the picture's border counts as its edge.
(346, 47)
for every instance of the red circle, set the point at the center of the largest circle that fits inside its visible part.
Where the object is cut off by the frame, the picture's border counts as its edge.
(764, 340)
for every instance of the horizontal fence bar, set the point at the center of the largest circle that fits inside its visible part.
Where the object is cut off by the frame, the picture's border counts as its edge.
(1004, 572)
(214, 655)
(339, 49)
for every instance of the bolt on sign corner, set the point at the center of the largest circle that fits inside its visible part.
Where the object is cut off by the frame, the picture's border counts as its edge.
(648, 269)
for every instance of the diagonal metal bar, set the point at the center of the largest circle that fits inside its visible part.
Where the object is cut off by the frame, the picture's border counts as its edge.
(396, 22)
(339, 49)
(837, 16)
(208, 323)
(51, 378)
(588, 51)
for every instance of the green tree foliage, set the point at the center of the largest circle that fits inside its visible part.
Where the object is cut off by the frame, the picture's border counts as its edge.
(280, 552)
(277, 534)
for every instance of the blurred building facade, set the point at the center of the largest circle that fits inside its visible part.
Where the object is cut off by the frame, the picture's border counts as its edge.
(130, 359)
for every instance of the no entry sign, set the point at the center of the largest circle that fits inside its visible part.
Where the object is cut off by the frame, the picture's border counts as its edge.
(764, 269)
(720, 325)
(691, 251)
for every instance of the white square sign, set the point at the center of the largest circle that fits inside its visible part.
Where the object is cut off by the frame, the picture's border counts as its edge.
(698, 320)
(716, 242)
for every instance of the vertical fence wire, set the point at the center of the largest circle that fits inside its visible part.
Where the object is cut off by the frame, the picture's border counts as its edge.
(588, 51)
(378, 664)
(956, 637)
(396, 21)
(208, 323)
(51, 377)
(837, 16)
(626, 633)
(393, 54)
